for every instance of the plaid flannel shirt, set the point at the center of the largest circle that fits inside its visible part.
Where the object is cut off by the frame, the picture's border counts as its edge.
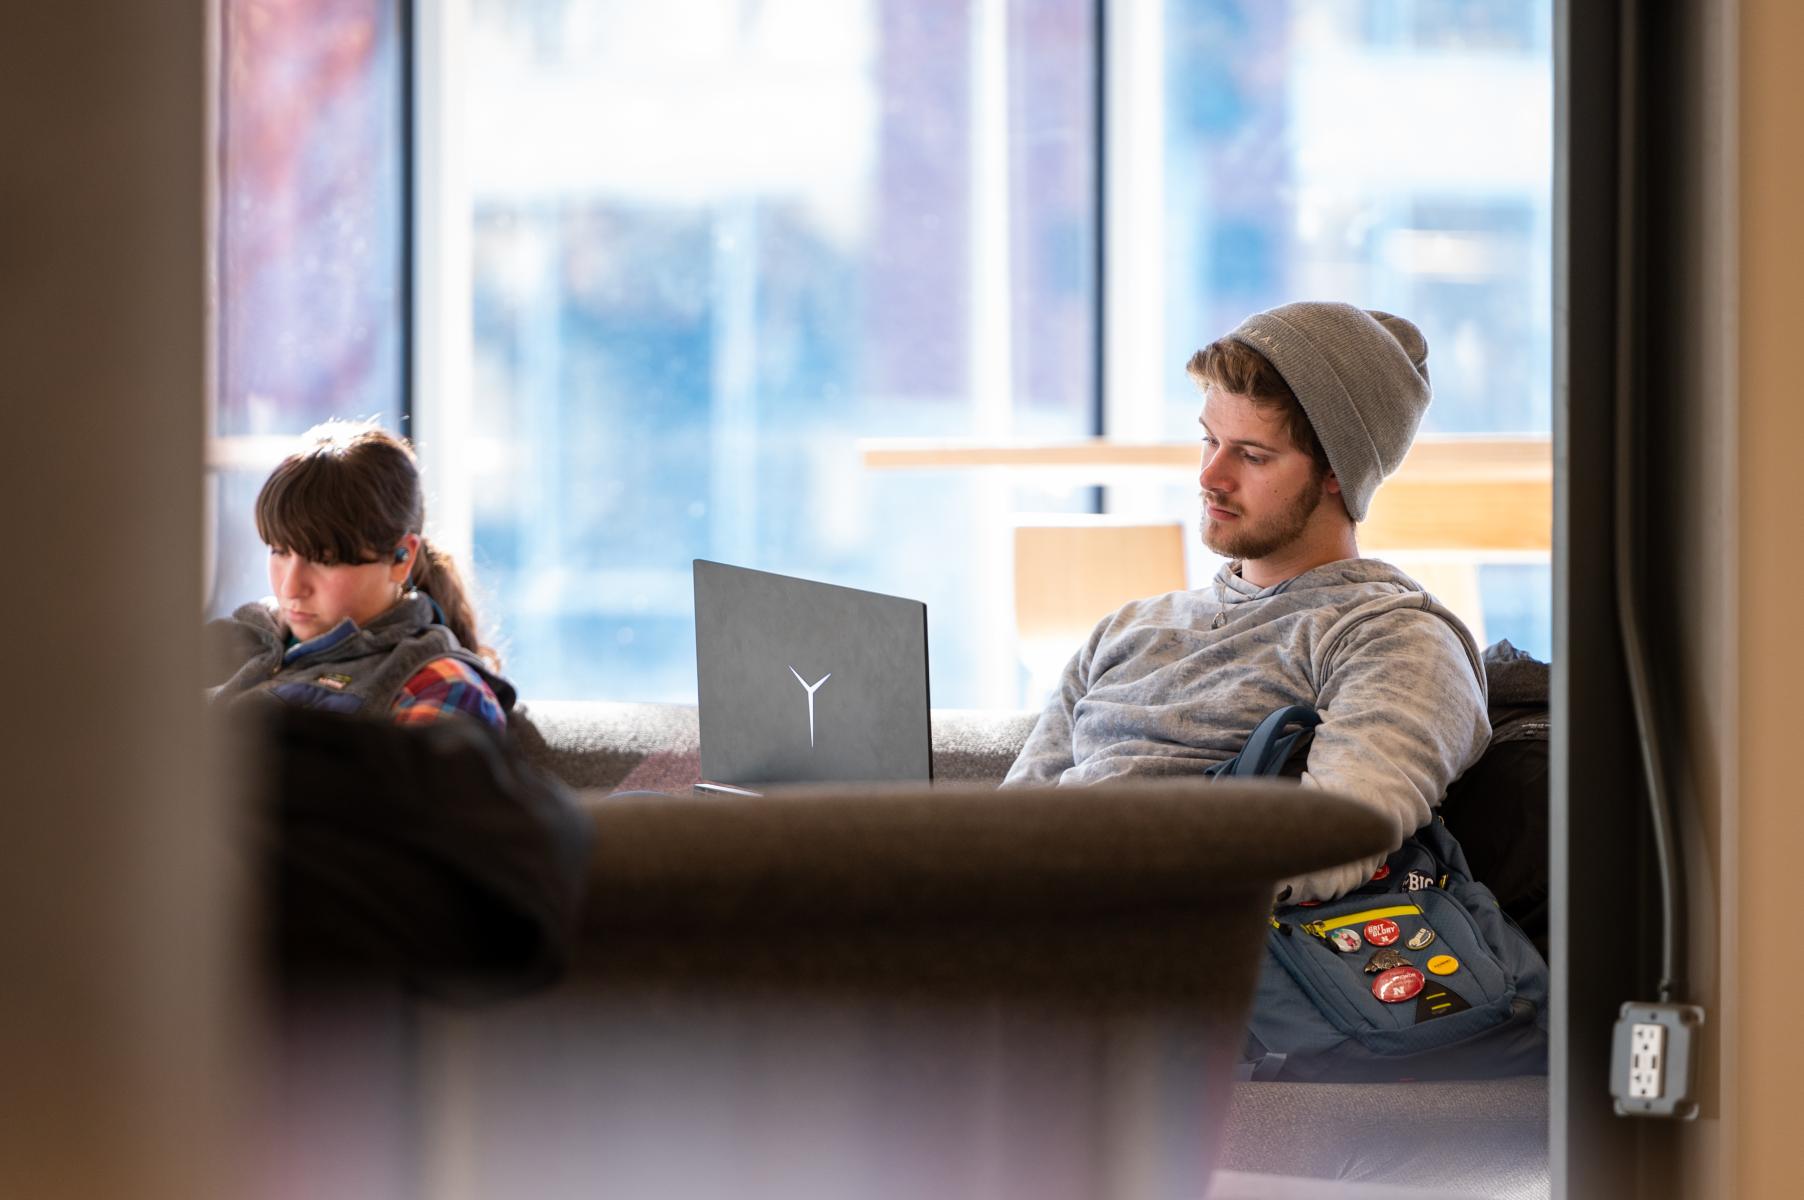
(445, 686)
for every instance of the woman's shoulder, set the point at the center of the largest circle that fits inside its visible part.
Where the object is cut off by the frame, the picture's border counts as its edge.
(445, 686)
(258, 618)
(228, 643)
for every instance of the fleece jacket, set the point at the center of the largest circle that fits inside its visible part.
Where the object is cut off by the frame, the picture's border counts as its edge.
(1172, 684)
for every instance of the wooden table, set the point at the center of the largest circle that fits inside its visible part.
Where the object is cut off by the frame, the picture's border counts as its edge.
(1453, 492)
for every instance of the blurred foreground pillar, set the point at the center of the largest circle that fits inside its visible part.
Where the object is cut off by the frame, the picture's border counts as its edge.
(118, 1018)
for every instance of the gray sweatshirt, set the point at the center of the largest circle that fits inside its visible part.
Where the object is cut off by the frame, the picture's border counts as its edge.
(1157, 691)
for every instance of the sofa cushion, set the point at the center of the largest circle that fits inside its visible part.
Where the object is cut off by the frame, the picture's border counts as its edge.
(1464, 1138)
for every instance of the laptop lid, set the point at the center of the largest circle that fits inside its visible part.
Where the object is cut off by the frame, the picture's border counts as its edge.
(799, 681)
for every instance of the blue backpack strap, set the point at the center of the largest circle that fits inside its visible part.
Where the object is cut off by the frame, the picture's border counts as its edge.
(1269, 1067)
(1259, 1063)
(1268, 747)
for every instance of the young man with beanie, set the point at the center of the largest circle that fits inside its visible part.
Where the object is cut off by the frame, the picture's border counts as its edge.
(1306, 409)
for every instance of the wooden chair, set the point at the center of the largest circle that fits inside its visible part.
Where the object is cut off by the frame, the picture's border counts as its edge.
(1072, 570)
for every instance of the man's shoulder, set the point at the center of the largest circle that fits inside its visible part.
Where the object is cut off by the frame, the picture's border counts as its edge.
(1362, 588)
(1412, 617)
(1343, 594)
(1369, 576)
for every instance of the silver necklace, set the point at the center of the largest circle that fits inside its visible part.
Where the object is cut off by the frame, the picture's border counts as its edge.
(1221, 609)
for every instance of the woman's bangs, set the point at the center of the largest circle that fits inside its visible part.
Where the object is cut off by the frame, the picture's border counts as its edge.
(306, 509)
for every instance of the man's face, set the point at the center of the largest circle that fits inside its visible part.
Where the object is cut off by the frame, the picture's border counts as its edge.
(1258, 490)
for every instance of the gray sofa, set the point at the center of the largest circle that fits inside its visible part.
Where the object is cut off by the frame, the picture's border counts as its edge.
(1450, 1138)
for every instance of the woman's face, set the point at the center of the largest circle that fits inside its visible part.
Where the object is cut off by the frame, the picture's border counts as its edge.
(315, 597)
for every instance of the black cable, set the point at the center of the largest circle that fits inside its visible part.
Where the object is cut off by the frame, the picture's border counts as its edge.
(1629, 532)
(1099, 251)
(406, 48)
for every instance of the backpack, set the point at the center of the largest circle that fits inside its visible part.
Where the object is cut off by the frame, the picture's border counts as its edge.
(1419, 974)
(1498, 808)
(433, 857)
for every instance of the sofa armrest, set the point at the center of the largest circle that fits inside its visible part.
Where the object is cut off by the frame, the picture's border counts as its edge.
(898, 853)
(894, 991)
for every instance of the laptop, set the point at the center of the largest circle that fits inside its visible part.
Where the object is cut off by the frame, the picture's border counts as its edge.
(804, 682)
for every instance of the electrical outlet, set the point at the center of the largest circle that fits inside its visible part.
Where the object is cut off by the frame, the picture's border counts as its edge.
(1647, 1050)
(1653, 1060)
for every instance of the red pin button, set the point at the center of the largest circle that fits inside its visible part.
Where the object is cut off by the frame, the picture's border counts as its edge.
(1383, 932)
(1383, 872)
(1398, 984)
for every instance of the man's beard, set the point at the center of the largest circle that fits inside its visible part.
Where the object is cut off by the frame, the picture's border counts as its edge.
(1242, 541)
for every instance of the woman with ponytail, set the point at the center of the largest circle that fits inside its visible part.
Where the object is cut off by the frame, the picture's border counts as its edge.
(366, 615)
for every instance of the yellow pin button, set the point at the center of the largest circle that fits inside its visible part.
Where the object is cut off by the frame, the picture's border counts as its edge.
(1443, 964)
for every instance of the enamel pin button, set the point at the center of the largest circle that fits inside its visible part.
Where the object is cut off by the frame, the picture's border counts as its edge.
(1383, 932)
(1398, 984)
(1384, 960)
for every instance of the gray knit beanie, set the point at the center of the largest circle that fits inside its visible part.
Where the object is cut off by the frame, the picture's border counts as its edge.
(1361, 377)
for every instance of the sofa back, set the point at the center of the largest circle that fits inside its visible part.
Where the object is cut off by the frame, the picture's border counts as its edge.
(628, 746)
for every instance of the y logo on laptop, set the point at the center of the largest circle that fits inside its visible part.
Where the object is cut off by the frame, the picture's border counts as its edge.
(810, 689)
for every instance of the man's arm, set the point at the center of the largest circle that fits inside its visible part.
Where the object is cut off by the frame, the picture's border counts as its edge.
(1047, 753)
(1403, 715)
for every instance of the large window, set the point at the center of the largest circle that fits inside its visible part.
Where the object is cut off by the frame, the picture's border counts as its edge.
(310, 261)
(715, 244)
(1398, 153)
(1395, 152)
(676, 263)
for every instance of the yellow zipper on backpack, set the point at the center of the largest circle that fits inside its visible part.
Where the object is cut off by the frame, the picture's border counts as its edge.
(1323, 927)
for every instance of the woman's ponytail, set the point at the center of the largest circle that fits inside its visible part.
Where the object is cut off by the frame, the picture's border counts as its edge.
(435, 573)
